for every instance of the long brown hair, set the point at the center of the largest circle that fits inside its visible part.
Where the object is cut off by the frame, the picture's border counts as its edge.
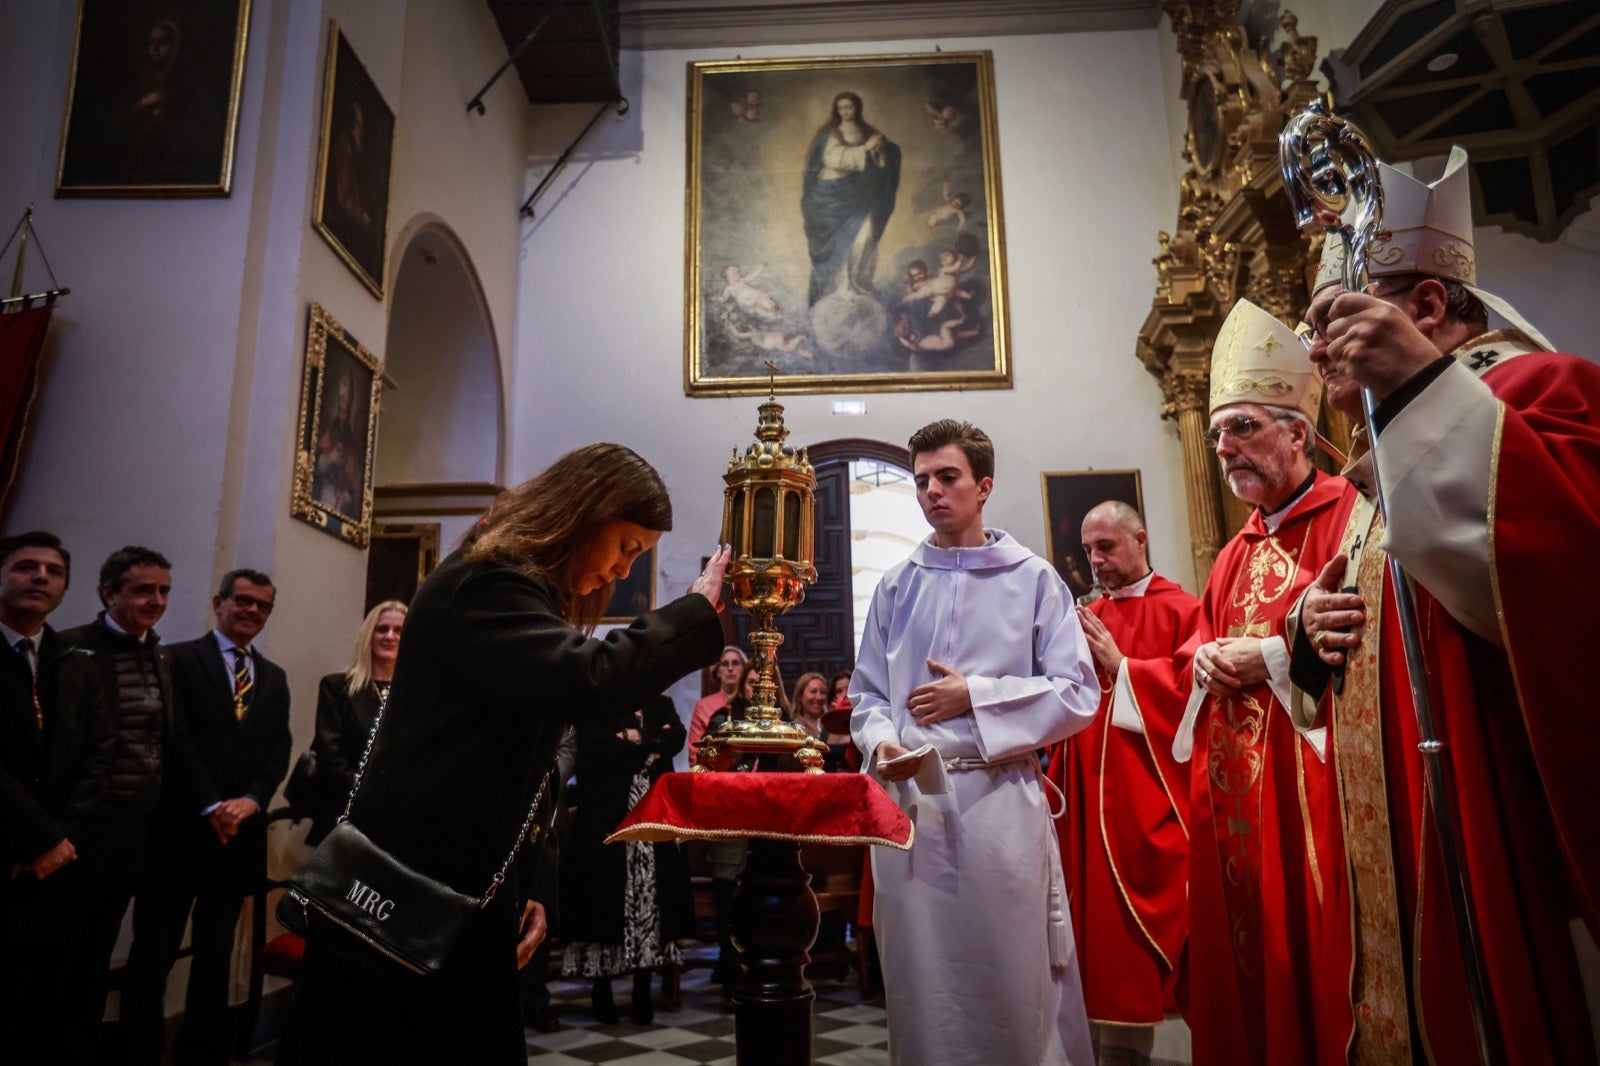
(544, 526)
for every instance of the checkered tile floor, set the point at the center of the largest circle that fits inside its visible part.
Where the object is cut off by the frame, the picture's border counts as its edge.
(846, 1029)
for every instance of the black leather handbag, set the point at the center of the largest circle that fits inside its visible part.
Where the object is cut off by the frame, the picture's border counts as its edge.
(356, 900)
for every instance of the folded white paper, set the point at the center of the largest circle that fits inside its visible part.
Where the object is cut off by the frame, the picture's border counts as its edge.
(931, 778)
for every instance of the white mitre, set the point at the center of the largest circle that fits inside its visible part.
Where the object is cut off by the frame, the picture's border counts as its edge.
(1426, 229)
(1257, 359)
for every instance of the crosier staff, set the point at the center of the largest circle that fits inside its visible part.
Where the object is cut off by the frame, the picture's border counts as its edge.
(1330, 173)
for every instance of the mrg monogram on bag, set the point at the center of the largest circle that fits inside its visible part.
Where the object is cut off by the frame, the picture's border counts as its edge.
(370, 900)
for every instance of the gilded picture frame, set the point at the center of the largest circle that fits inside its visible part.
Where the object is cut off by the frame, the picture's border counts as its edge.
(355, 164)
(636, 593)
(399, 557)
(153, 98)
(338, 432)
(1069, 495)
(844, 223)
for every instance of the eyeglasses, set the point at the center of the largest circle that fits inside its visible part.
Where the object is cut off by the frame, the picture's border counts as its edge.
(1239, 427)
(246, 602)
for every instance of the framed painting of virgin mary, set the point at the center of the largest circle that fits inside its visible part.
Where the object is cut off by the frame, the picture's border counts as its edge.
(844, 224)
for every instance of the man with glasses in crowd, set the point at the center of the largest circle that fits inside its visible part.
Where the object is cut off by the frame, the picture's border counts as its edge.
(208, 848)
(1489, 451)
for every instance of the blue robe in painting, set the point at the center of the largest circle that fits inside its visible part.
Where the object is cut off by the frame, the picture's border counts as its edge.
(835, 210)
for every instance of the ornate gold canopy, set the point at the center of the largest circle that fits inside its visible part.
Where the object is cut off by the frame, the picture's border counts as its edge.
(1235, 235)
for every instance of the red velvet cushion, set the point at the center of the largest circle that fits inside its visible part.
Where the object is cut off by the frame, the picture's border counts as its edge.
(283, 954)
(825, 808)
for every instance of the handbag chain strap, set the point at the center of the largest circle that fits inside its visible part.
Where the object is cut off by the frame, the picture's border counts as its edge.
(527, 823)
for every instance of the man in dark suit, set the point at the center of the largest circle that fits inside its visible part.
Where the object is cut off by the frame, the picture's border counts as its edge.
(136, 678)
(208, 845)
(55, 744)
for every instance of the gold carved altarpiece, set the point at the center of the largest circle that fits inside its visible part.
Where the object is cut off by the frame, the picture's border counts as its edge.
(1235, 235)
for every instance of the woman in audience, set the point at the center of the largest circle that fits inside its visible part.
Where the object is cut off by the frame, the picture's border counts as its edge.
(809, 702)
(839, 688)
(628, 906)
(496, 658)
(346, 704)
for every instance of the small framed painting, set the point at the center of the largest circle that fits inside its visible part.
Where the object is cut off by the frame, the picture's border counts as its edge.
(338, 431)
(351, 207)
(1069, 495)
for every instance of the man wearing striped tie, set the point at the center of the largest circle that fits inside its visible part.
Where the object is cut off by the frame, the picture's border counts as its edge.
(208, 847)
(55, 745)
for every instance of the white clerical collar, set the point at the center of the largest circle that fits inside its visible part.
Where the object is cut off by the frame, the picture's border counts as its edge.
(1128, 592)
(1275, 519)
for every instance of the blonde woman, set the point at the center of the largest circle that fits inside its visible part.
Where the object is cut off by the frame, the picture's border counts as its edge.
(346, 704)
(809, 702)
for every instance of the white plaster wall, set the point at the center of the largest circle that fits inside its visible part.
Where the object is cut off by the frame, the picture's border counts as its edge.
(450, 168)
(168, 407)
(441, 421)
(1088, 178)
(127, 441)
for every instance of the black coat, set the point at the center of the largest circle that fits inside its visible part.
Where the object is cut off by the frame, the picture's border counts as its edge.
(232, 757)
(343, 722)
(104, 643)
(488, 674)
(594, 874)
(51, 785)
(50, 782)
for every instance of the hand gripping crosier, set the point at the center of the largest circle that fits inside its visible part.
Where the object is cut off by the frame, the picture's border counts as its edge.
(1332, 180)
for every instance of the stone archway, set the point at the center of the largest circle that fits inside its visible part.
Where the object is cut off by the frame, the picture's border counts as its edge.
(442, 441)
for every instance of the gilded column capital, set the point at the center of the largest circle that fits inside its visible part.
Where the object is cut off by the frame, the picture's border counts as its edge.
(1184, 390)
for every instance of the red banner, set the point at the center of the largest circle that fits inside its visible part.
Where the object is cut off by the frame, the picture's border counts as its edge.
(21, 339)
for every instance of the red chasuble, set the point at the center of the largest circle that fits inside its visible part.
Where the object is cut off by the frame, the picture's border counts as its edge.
(1260, 854)
(1396, 981)
(1124, 836)
(1544, 515)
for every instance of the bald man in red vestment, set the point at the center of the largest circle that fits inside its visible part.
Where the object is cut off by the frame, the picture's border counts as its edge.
(1124, 835)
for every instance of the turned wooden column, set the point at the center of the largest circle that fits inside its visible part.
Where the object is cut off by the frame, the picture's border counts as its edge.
(1187, 394)
(774, 922)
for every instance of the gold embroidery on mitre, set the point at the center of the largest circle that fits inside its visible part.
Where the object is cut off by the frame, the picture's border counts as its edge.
(1270, 345)
(1388, 256)
(1272, 387)
(1453, 260)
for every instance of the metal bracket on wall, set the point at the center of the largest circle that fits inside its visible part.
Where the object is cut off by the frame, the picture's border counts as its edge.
(621, 104)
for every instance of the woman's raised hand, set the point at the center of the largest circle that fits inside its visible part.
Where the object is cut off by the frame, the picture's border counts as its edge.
(709, 583)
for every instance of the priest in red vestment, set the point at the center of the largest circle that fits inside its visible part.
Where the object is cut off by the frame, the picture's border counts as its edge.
(1468, 419)
(1260, 855)
(1124, 834)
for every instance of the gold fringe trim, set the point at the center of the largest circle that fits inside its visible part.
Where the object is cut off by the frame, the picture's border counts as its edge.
(1111, 860)
(1305, 814)
(1154, 762)
(678, 832)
